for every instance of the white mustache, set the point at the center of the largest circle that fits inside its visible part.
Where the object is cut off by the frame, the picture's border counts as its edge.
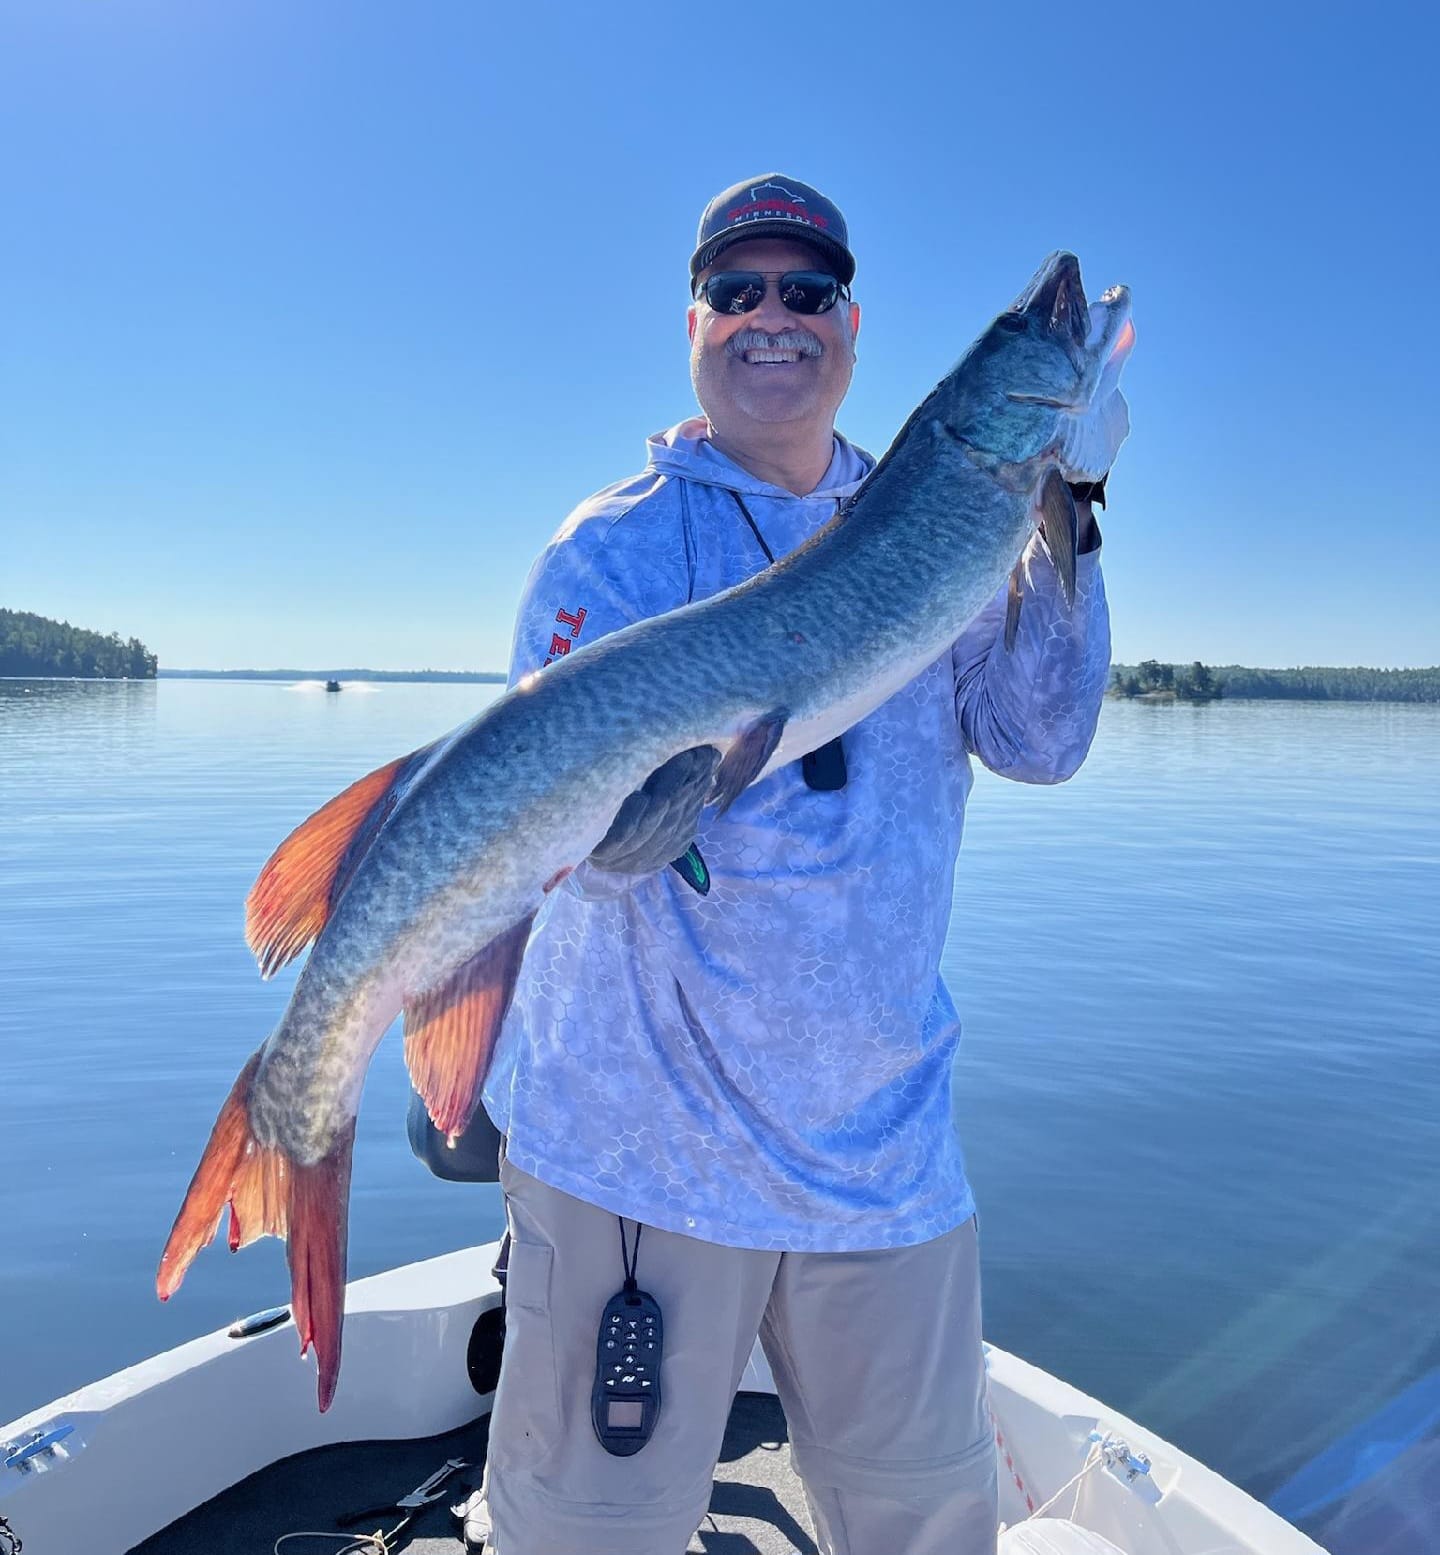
(791, 340)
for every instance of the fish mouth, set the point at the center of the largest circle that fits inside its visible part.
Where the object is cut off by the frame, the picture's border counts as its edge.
(1097, 333)
(1055, 288)
(1111, 336)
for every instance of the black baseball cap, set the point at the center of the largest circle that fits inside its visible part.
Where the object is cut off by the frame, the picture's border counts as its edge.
(773, 206)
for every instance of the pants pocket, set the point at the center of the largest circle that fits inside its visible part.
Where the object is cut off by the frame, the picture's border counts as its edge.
(527, 1412)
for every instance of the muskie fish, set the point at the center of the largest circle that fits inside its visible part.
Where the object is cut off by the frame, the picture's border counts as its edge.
(418, 884)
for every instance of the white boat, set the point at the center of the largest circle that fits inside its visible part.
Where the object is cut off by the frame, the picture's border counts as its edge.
(141, 1455)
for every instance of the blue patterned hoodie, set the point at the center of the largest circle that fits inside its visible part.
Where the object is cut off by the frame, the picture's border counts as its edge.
(769, 1066)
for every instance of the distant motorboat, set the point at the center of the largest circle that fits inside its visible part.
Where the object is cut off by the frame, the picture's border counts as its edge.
(332, 685)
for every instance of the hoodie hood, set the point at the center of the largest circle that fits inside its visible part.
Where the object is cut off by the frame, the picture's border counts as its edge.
(686, 452)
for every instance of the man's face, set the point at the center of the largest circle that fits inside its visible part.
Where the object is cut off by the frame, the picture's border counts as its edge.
(732, 355)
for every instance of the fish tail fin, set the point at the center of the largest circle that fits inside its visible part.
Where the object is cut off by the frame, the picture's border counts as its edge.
(269, 1194)
(319, 1223)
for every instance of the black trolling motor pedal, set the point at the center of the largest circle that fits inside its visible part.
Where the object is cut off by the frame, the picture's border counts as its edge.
(625, 1402)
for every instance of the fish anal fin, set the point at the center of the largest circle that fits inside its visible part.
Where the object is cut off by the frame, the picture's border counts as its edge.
(450, 1030)
(1060, 525)
(290, 901)
(746, 758)
(268, 1194)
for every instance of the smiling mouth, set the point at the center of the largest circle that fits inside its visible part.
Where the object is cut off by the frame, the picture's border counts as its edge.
(771, 356)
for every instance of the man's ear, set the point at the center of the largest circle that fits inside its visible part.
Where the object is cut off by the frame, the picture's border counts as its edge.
(854, 320)
(690, 322)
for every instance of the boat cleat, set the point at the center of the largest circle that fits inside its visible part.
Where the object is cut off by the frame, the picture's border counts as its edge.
(39, 1450)
(1131, 1469)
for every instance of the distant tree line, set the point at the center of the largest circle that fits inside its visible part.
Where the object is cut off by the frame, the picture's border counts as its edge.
(1197, 682)
(36, 645)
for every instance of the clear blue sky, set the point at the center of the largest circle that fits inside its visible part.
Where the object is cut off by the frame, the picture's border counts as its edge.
(319, 317)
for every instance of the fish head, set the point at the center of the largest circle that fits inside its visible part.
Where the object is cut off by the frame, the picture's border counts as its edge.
(1037, 365)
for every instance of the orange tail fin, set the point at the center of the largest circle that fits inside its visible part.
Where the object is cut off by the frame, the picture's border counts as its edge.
(268, 1194)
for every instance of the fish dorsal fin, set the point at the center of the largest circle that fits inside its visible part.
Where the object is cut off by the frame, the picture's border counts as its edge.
(304, 877)
(746, 758)
(450, 1029)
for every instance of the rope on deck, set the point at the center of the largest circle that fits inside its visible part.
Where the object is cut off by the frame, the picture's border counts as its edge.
(351, 1543)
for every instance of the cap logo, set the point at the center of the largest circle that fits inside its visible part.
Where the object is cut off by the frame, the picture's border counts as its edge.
(759, 191)
(768, 201)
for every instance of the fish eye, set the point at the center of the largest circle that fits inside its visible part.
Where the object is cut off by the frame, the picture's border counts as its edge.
(1012, 320)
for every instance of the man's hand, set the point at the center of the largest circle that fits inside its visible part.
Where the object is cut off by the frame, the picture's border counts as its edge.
(1090, 442)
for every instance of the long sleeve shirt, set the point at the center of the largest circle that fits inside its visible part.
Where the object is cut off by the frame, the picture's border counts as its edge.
(769, 1066)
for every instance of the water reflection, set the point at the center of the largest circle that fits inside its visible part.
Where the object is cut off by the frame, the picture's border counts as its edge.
(1197, 1091)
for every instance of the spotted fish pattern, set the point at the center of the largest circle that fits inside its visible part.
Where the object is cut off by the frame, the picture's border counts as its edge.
(769, 1066)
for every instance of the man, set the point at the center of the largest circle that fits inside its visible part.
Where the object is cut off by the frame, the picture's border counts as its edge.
(760, 1077)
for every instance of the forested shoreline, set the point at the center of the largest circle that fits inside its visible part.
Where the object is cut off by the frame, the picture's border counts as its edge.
(1310, 683)
(36, 645)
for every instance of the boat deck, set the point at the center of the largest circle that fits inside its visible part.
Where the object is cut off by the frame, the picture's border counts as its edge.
(757, 1507)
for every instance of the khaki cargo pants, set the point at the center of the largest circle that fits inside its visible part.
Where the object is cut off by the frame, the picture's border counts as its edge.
(876, 1358)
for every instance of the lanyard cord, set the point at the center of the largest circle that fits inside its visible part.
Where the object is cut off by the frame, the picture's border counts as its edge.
(754, 527)
(630, 1263)
(823, 769)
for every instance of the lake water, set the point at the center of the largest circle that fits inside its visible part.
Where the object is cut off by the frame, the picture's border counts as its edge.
(1199, 1088)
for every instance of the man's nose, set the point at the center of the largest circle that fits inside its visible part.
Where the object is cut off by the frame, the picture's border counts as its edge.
(772, 315)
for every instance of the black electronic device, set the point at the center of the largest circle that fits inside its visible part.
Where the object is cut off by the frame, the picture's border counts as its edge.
(824, 769)
(625, 1403)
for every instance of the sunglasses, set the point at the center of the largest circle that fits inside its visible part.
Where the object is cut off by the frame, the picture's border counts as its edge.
(742, 291)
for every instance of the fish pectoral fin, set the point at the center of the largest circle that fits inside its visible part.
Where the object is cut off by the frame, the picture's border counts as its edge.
(746, 758)
(1060, 524)
(269, 1194)
(1014, 596)
(656, 823)
(305, 876)
(450, 1030)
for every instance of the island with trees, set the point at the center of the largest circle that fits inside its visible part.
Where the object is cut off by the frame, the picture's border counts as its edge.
(1168, 682)
(35, 646)
(1196, 682)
